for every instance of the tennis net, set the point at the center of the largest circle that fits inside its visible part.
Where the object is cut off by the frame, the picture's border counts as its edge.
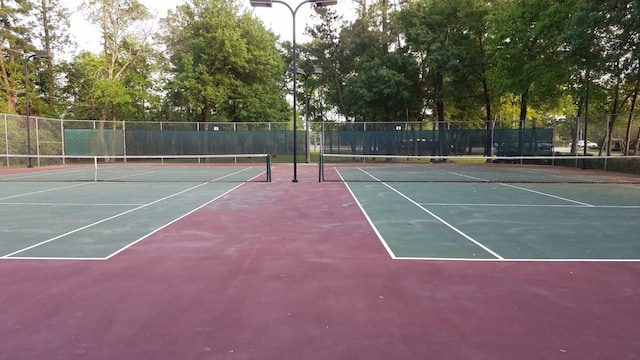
(170, 168)
(525, 169)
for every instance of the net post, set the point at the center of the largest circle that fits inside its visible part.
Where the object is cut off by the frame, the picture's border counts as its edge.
(95, 169)
(320, 167)
(268, 167)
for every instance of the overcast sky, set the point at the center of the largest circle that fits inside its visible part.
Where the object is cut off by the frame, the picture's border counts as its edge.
(278, 19)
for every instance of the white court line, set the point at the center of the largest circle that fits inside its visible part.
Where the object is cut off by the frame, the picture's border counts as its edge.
(485, 248)
(56, 188)
(485, 260)
(525, 189)
(373, 226)
(184, 215)
(630, 186)
(469, 176)
(112, 217)
(520, 260)
(40, 174)
(51, 258)
(549, 195)
(503, 205)
(41, 191)
(171, 222)
(537, 205)
(131, 176)
(65, 204)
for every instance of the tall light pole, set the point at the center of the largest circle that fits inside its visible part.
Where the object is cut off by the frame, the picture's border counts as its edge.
(269, 3)
(36, 55)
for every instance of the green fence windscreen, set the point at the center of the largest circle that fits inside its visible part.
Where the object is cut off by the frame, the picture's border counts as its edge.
(162, 142)
(93, 142)
(450, 142)
(504, 142)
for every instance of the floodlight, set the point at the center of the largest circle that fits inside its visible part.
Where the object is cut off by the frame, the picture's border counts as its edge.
(261, 3)
(325, 2)
(41, 54)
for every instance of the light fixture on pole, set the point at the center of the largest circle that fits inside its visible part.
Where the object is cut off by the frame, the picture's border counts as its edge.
(269, 3)
(36, 55)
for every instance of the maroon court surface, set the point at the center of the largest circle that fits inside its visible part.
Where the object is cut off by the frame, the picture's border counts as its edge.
(288, 270)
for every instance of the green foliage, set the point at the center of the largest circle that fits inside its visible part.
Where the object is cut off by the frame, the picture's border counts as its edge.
(448, 40)
(381, 89)
(224, 63)
(455, 60)
(526, 36)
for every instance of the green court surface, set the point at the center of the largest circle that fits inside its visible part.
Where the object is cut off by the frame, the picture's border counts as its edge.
(95, 208)
(92, 220)
(493, 221)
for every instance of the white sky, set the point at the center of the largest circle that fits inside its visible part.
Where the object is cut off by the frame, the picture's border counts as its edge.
(278, 19)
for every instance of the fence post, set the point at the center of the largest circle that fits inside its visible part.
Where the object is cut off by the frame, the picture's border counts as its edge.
(37, 126)
(64, 159)
(6, 138)
(124, 140)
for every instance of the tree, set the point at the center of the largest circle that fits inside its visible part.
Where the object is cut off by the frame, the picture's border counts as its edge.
(328, 52)
(378, 85)
(224, 63)
(14, 36)
(79, 89)
(53, 21)
(125, 43)
(617, 64)
(447, 40)
(526, 38)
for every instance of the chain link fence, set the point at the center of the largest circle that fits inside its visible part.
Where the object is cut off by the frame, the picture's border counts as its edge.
(607, 135)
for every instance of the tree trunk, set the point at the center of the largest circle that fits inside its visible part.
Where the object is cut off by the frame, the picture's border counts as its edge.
(488, 145)
(49, 61)
(627, 139)
(524, 99)
(637, 149)
(442, 124)
(612, 119)
(206, 114)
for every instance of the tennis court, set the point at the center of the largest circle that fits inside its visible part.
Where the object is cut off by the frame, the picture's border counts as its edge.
(88, 211)
(93, 219)
(504, 221)
(247, 268)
